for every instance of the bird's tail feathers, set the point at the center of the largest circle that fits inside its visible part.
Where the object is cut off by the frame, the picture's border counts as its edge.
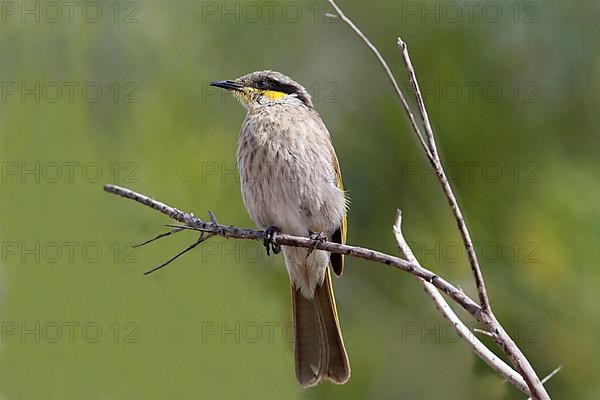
(319, 347)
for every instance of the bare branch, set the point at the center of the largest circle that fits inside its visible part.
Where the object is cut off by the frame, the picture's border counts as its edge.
(550, 375)
(194, 223)
(516, 356)
(463, 331)
(524, 378)
(486, 316)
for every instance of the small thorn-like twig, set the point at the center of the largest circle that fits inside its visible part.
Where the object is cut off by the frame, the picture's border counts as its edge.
(550, 375)
(201, 239)
(212, 217)
(484, 332)
(162, 235)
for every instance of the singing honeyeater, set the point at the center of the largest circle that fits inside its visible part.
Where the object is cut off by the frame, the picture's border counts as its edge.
(291, 183)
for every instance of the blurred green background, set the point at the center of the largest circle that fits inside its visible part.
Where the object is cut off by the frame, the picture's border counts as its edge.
(107, 92)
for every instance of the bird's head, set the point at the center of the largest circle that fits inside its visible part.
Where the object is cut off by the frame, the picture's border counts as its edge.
(265, 87)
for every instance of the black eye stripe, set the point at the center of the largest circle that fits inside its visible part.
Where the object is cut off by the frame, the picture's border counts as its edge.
(270, 84)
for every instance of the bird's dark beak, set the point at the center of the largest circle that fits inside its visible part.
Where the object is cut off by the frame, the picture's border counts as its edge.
(229, 85)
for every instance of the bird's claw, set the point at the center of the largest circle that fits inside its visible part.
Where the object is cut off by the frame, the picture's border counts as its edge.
(268, 242)
(316, 238)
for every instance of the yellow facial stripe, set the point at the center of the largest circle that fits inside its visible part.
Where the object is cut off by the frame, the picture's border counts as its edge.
(246, 96)
(273, 94)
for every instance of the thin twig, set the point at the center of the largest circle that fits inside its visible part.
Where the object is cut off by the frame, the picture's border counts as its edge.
(159, 236)
(201, 239)
(441, 175)
(428, 145)
(212, 217)
(420, 102)
(389, 74)
(550, 375)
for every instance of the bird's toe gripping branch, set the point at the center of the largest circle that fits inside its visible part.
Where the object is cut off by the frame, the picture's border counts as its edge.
(316, 238)
(269, 243)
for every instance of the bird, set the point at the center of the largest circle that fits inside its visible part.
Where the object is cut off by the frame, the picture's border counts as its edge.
(291, 183)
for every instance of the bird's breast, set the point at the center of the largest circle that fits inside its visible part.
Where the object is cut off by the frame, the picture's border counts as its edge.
(287, 175)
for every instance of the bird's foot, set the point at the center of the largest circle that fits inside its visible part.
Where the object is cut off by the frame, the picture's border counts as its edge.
(268, 242)
(316, 238)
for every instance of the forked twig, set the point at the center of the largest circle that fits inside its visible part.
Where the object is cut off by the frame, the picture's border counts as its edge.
(501, 337)
(203, 237)
(462, 330)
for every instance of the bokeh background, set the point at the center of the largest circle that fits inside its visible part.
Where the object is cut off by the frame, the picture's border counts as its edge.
(116, 92)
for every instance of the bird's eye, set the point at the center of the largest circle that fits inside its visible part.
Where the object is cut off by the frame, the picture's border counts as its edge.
(262, 84)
